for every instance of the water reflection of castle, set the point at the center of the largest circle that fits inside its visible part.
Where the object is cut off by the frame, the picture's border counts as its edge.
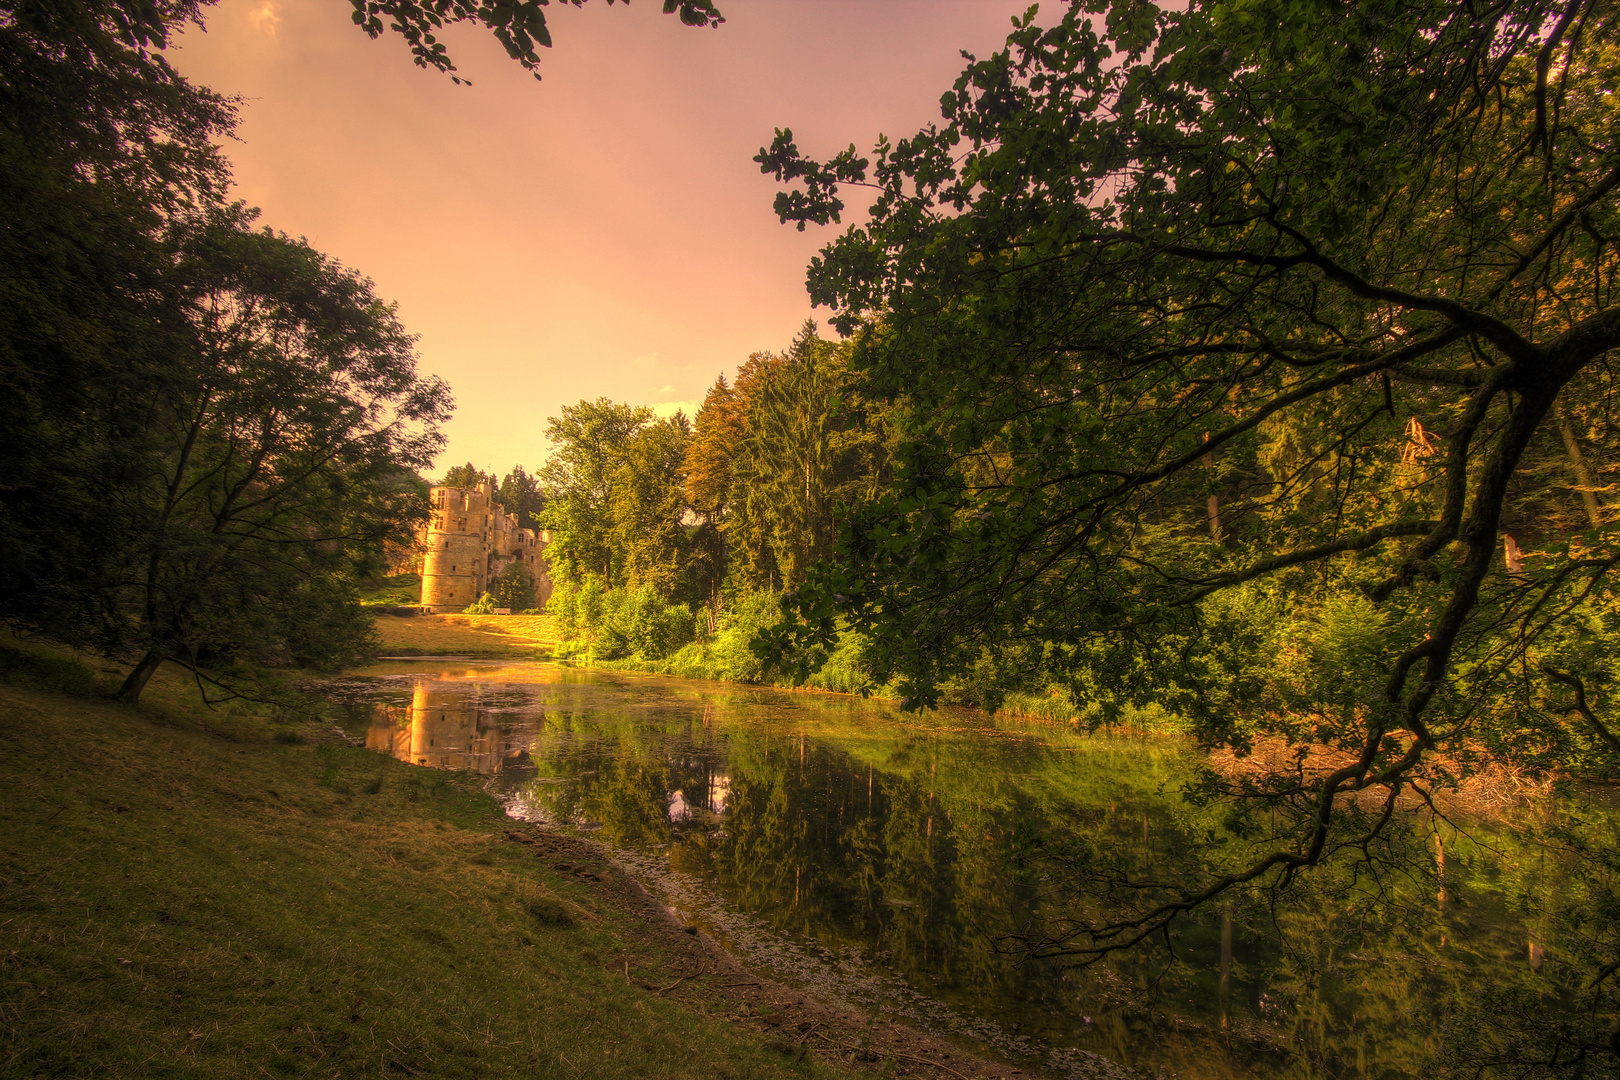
(444, 731)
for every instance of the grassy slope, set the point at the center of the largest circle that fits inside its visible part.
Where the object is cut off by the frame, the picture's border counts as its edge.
(502, 636)
(182, 896)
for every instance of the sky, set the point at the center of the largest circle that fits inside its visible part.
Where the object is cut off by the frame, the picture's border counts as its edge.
(603, 232)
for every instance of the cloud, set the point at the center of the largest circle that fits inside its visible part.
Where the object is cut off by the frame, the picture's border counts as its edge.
(665, 390)
(265, 17)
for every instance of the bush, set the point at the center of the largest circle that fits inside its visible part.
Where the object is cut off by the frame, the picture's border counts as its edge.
(752, 613)
(484, 605)
(845, 670)
(652, 629)
(619, 624)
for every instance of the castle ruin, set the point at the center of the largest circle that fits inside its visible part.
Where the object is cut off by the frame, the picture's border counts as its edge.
(468, 541)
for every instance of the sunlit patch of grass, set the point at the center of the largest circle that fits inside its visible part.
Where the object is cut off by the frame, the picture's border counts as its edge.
(184, 894)
(519, 636)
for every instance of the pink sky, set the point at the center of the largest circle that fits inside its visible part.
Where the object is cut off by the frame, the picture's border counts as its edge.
(603, 232)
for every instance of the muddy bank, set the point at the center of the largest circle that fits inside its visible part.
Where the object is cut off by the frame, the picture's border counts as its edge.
(796, 1023)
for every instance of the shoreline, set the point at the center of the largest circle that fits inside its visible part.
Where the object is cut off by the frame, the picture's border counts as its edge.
(1494, 795)
(205, 892)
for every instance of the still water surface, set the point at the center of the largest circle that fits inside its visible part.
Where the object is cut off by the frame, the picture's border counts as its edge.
(854, 849)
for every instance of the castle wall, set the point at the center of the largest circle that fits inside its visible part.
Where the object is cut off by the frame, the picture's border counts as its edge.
(469, 540)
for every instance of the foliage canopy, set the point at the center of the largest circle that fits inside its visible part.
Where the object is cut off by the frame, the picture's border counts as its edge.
(1224, 345)
(212, 430)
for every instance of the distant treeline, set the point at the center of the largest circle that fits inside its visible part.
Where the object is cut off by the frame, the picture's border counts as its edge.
(673, 538)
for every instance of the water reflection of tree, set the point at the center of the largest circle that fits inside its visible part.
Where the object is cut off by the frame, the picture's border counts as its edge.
(920, 850)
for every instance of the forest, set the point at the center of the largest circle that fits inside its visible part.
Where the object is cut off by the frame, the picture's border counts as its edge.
(674, 539)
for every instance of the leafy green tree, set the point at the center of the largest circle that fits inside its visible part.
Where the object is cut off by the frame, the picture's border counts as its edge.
(648, 508)
(131, 301)
(785, 459)
(278, 483)
(105, 154)
(805, 452)
(1196, 321)
(742, 518)
(463, 476)
(520, 494)
(720, 425)
(589, 441)
(513, 588)
(520, 27)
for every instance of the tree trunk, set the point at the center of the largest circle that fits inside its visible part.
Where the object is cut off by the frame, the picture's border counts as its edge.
(1224, 992)
(1214, 500)
(131, 690)
(1582, 473)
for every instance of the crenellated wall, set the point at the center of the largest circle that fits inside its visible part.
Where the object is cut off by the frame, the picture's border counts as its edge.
(469, 540)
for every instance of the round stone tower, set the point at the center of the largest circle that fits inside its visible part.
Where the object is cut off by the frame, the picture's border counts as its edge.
(455, 563)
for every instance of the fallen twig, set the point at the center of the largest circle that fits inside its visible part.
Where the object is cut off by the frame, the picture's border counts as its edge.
(680, 980)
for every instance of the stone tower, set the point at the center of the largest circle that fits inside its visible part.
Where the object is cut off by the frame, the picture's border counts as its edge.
(469, 540)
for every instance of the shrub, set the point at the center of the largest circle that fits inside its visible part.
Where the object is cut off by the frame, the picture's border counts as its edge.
(652, 628)
(845, 671)
(752, 613)
(619, 624)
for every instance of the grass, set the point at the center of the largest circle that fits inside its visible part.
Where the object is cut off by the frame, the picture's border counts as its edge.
(400, 590)
(503, 636)
(194, 893)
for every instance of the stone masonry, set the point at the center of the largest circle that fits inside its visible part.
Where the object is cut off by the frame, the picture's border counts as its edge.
(468, 541)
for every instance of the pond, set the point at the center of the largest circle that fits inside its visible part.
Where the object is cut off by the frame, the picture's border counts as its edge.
(883, 857)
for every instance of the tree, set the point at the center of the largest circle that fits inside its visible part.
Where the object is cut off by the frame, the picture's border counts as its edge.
(806, 448)
(717, 431)
(788, 453)
(588, 445)
(133, 311)
(648, 508)
(719, 427)
(745, 521)
(464, 476)
(520, 494)
(520, 26)
(104, 153)
(277, 480)
(1222, 342)
(514, 588)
